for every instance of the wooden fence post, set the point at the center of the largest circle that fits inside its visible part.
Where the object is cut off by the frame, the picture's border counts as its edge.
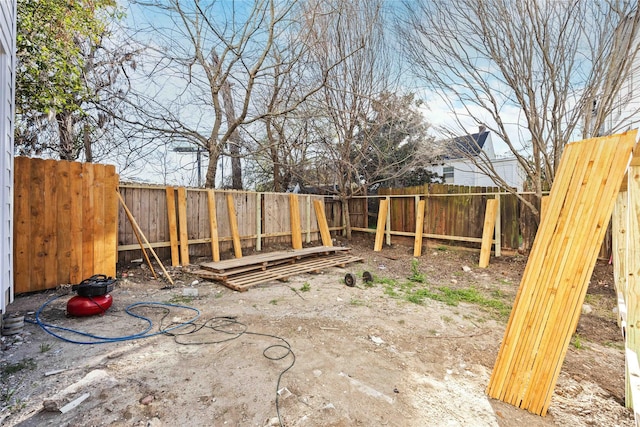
(498, 229)
(417, 246)
(294, 216)
(383, 219)
(233, 223)
(487, 232)
(388, 221)
(173, 226)
(182, 222)
(258, 222)
(322, 223)
(213, 225)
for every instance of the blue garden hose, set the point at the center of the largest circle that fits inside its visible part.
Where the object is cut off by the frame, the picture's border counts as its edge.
(97, 339)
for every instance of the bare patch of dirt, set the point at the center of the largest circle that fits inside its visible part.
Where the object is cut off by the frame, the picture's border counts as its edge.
(399, 352)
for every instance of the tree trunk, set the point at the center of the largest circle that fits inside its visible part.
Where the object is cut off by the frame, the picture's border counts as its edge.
(212, 168)
(346, 218)
(88, 153)
(234, 139)
(67, 147)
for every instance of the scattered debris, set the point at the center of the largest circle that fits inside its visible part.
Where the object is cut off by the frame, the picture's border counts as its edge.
(376, 340)
(74, 403)
(55, 372)
(284, 393)
(586, 309)
(147, 400)
(466, 268)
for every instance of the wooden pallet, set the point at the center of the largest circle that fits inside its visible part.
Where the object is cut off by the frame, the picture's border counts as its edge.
(244, 280)
(260, 261)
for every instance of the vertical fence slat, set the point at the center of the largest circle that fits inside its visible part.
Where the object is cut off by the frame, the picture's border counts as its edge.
(77, 215)
(22, 225)
(63, 209)
(88, 206)
(36, 208)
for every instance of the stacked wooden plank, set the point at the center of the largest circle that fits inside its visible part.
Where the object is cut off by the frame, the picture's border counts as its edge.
(555, 280)
(243, 273)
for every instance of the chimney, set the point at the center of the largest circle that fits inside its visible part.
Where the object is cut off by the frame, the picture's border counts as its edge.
(481, 129)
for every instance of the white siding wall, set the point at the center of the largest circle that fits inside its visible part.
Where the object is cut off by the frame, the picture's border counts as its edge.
(7, 91)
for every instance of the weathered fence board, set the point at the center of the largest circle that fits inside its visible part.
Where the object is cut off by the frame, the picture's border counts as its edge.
(66, 224)
(148, 205)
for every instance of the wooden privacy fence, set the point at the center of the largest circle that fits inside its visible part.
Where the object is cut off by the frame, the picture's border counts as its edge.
(65, 219)
(185, 224)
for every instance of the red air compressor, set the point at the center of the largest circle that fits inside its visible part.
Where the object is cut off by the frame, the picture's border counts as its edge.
(93, 296)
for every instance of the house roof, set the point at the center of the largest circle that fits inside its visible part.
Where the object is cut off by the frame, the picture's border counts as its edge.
(467, 145)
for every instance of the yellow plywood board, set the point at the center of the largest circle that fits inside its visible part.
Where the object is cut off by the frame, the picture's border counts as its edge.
(556, 277)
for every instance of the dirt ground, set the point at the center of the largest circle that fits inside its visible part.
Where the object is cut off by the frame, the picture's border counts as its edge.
(311, 351)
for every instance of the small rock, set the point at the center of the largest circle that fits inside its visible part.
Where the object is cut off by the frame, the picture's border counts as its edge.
(338, 299)
(147, 400)
(466, 268)
(317, 373)
(272, 422)
(195, 282)
(586, 309)
(376, 340)
(454, 281)
(329, 406)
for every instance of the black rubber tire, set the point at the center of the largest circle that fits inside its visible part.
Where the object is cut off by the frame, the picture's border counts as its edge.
(350, 280)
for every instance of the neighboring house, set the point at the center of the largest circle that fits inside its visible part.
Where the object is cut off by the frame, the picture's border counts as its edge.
(7, 110)
(457, 168)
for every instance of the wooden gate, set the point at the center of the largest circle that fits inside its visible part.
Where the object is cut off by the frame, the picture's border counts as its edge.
(65, 222)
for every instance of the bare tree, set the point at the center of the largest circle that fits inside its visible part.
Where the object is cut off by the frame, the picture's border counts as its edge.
(538, 74)
(346, 101)
(211, 65)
